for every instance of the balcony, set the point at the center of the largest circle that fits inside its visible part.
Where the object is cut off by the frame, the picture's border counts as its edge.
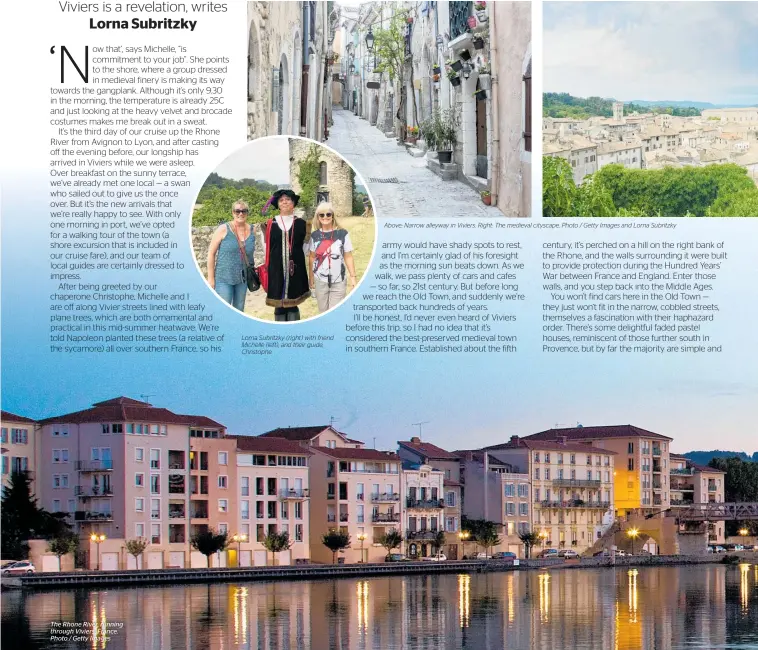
(425, 504)
(687, 471)
(459, 15)
(712, 488)
(576, 482)
(385, 497)
(294, 494)
(576, 503)
(87, 492)
(385, 517)
(420, 534)
(344, 517)
(94, 465)
(331, 518)
(682, 502)
(91, 516)
(656, 451)
(176, 511)
(678, 486)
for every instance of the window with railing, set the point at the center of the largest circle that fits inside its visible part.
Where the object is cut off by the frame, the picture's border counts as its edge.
(459, 15)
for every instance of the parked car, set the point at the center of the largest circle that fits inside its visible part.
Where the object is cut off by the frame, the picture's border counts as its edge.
(18, 568)
(604, 553)
(709, 549)
(548, 552)
(568, 553)
(719, 549)
(504, 555)
(396, 557)
(439, 557)
(621, 553)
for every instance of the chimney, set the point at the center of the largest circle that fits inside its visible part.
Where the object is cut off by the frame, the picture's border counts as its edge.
(562, 439)
(514, 439)
(416, 440)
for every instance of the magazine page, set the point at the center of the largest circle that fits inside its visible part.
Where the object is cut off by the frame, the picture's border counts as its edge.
(379, 324)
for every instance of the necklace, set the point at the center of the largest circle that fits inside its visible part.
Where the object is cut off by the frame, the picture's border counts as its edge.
(289, 235)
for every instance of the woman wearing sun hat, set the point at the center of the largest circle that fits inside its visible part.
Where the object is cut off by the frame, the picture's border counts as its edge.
(286, 244)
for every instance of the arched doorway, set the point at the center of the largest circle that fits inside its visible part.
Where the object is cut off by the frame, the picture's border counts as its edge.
(481, 135)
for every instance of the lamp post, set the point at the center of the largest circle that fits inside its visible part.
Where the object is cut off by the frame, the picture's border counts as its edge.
(543, 536)
(743, 533)
(239, 538)
(370, 44)
(97, 539)
(633, 533)
(362, 538)
(464, 535)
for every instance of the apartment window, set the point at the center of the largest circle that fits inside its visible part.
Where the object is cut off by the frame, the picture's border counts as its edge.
(271, 484)
(4, 437)
(56, 505)
(139, 479)
(64, 480)
(56, 478)
(154, 429)
(630, 464)
(106, 428)
(223, 481)
(6, 465)
(271, 507)
(560, 473)
(298, 532)
(359, 491)
(510, 489)
(245, 530)
(139, 530)
(547, 474)
(560, 459)
(223, 505)
(155, 483)
(155, 533)
(523, 509)
(361, 513)
(139, 505)
(607, 477)
(259, 534)
(245, 510)
(259, 486)
(537, 494)
(537, 473)
(60, 455)
(573, 474)
(607, 461)
(259, 509)
(536, 457)
(547, 457)
(223, 528)
(223, 458)
(155, 459)
(630, 448)
(285, 510)
(139, 454)
(155, 508)
(451, 524)
(298, 510)
(19, 436)
(450, 500)
(510, 508)
(245, 486)
(71, 505)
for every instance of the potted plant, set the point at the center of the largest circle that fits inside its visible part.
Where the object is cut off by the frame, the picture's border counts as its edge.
(486, 197)
(411, 134)
(465, 55)
(481, 10)
(480, 95)
(454, 64)
(436, 77)
(485, 78)
(472, 22)
(478, 43)
(436, 69)
(455, 80)
(446, 124)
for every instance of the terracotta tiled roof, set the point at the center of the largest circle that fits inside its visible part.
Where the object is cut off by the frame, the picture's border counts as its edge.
(123, 409)
(306, 433)
(279, 445)
(7, 415)
(704, 468)
(590, 433)
(428, 450)
(550, 445)
(358, 454)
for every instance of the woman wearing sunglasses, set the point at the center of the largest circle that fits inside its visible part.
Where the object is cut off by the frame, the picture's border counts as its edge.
(331, 259)
(232, 248)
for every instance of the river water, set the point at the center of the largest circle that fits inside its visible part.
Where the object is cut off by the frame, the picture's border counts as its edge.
(652, 608)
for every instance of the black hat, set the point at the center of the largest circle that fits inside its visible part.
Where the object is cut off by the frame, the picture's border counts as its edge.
(280, 193)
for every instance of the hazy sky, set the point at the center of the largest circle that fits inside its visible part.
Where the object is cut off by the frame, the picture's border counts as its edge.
(266, 159)
(699, 51)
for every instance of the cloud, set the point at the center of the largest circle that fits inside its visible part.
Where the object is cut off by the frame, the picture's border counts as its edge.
(700, 51)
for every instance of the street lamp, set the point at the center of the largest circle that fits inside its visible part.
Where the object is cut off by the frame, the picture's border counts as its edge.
(370, 40)
(239, 538)
(361, 538)
(633, 533)
(98, 539)
(466, 70)
(543, 536)
(464, 535)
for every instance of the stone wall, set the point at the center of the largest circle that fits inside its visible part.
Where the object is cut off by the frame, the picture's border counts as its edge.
(339, 181)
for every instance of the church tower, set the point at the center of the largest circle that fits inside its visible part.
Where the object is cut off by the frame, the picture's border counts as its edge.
(618, 111)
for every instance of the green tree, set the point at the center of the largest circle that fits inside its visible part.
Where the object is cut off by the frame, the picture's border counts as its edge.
(309, 177)
(60, 546)
(592, 199)
(136, 547)
(740, 484)
(482, 532)
(438, 542)
(487, 539)
(216, 205)
(209, 542)
(529, 539)
(558, 188)
(335, 541)
(390, 540)
(277, 542)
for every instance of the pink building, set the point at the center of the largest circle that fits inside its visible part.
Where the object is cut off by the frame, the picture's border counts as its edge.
(121, 468)
(19, 446)
(273, 493)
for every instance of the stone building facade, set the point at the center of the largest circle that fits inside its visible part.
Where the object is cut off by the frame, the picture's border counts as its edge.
(336, 176)
(289, 74)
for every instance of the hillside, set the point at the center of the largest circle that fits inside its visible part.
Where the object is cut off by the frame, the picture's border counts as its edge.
(704, 457)
(566, 105)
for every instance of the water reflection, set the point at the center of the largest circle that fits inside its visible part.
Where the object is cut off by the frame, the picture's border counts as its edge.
(648, 608)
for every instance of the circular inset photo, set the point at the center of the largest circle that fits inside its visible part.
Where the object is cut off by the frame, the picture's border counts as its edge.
(283, 230)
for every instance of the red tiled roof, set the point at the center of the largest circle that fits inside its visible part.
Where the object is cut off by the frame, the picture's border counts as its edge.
(428, 450)
(550, 445)
(279, 445)
(677, 456)
(590, 433)
(123, 409)
(704, 468)
(358, 454)
(305, 433)
(7, 415)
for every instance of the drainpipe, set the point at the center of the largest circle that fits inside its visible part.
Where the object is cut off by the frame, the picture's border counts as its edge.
(495, 111)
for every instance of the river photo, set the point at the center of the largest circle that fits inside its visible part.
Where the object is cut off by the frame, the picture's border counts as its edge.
(650, 608)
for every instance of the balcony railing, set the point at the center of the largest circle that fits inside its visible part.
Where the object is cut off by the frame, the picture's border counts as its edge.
(176, 489)
(712, 488)
(199, 514)
(94, 465)
(420, 534)
(176, 466)
(385, 497)
(89, 515)
(576, 503)
(682, 502)
(656, 451)
(687, 471)
(294, 494)
(387, 517)
(331, 518)
(176, 514)
(425, 503)
(577, 482)
(343, 516)
(85, 492)
(459, 15)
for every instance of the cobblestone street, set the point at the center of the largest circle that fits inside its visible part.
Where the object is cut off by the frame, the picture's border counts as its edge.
(418, 192)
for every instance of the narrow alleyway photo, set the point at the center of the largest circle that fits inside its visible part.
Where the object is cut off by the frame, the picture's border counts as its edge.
(400, 185)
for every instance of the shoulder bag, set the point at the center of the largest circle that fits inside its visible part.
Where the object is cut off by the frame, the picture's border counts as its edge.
(248, 269)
